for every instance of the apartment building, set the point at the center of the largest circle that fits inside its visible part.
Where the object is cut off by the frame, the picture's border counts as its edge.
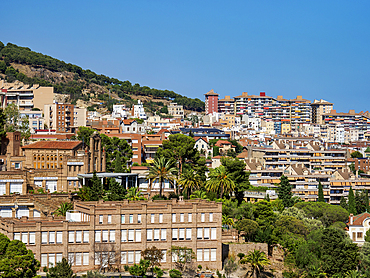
(176, 110)
(301, 111)
(211, 102)
(97, 234)
(319, 108)
(253, 105)
(64, 117)
(138, 111)
(226, 105)
(25, 96)
(359, 121)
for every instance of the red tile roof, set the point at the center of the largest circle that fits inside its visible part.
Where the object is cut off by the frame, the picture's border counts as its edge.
(57, 145)
(220, 143)
(359, 219)
(128, 122)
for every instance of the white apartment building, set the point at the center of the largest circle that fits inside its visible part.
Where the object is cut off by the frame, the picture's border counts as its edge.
(138, 111)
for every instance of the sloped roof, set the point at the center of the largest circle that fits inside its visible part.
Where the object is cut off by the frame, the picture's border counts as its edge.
(359, 219)
(57, 145)
(211, 93)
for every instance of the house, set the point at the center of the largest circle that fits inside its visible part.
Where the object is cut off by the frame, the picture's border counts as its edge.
(132, 126)
(224, 146)
(358, 225)
(201, 144)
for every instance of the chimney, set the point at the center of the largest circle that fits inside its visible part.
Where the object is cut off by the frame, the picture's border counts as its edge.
(262, 94)
(351, 219)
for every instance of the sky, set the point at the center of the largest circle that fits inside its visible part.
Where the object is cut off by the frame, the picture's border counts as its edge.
(317, 49)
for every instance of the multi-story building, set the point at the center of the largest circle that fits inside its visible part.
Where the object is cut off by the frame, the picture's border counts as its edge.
(211, 102)
(26, 97)
(176, 110)
(319, 108)
(253, 105)
(120, 111)
(300, 111)
(64, 117)
(359, 121)
(226, 105)
(138, 111)
(113, 234)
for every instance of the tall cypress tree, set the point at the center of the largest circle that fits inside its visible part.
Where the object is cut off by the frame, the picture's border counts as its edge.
(285, 191)
(321, 193)
(96, 188)
(367, 200)
(118, 165)
(351, 202)
(343, 203)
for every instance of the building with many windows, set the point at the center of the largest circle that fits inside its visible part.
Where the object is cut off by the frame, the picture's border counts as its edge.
(211, 102)
(113, 234)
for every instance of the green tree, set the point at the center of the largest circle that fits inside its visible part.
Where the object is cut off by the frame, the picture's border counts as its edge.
(15, 260)
(351, 202)
(115, 147)
(181, 256)
(118, 165)
(2, 123)
(139, 269)
(12, 117)
(24, 128)
(154, 256)
(365, 258)
(134, 194)
(189, 180)
(84, 133)
(285, 191)
(249, 227)
(162, 170)
(258, 260)
(96, 188)
(321, 193)
(220, 182)
(230, 266)
(63, 208)
(116, 192)
(61, 270)
(227, 222)
(263, 213)
(198, 194)
(174, 273)
(356, 154)
(343, 202)
(367, 236)
(93, 274)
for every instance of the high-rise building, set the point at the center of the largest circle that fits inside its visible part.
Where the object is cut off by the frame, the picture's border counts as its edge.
(226, 105)
(319, 108)
(253, 105)
(64, 117)
(211, 102)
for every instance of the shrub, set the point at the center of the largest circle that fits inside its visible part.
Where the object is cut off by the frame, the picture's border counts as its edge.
(174, 273)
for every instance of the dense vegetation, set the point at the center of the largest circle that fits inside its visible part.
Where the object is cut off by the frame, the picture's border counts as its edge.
(12, 53)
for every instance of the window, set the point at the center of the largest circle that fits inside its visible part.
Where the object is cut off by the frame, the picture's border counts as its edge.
(78, 258)
(105, 236)
(130, 257)
(359, 235)
(78, 236)
(131, 235)
(17, 165)
(32, 238)
(188, 234)
(123, 235)
(206, 233)
(163, 234)
(213, 233)
(174, 234)
(112, 236)
(161, 218)
(97, 236)
(139, 218)
(173, 217)
(44, 237)
(44, 259)
(85, 258)
(122, 218)
(51, 237)
(59, 237)
(182, 234)
(206, 255)
(138, 235)
(199, 233)
(199, 255)
(86, 236)
(123, 257)
(164, 252)
(213, 255)
(131, 218)
(156, 234)
(211, 217)
(109, 219)
(137, 257)
(152, 218)
(17, 236)
(202, 217)
(190, 217)
(59, 257)
(181, 217)
(100, 219)
(149, 234)
(25, 238)
(71, 237)
(71, 258)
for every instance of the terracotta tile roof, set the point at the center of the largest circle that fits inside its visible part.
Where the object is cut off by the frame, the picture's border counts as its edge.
(211, 93)
(243, 155)
(203, 138)
(217, 157)
(128, 122)
(57, 145)
(359, 219)
(163, 131)
(139, 168)
(221, 143)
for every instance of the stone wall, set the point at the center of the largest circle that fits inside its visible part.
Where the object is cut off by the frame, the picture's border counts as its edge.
(234, 249)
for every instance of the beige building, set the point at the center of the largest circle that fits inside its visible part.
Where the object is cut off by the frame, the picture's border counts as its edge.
(176, 110)
(113, 234)
(319, 108)
(25, 96)
(64, 117)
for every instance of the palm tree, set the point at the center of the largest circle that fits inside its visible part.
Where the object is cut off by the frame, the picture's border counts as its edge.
(63, 208)
(227, 222)
(220, 181)
(188, 181)
(134, 194)
(198, 194)
(161, 170)
(258, 260)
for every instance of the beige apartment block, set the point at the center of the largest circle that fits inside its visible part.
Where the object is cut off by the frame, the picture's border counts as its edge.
(176, 110)
(319, 108)
(25, 96)
(97, 233)
(63, 117)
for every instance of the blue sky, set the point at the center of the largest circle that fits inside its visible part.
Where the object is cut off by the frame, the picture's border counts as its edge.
(317, 49)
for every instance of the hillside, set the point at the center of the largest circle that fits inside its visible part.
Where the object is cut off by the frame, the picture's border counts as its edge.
(23, 64)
